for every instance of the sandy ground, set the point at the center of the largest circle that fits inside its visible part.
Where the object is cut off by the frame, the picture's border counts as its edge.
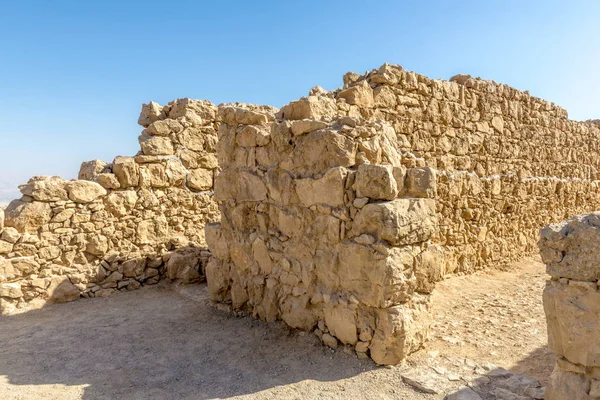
(169, 343)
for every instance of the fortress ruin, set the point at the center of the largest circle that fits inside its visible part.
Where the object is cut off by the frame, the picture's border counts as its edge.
(336, 213)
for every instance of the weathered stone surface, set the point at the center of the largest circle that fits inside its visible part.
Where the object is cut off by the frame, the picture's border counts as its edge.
(126, 171)
(84, 191)
(360, 95)
(376, 182)
(89, 170)
(156, 145)
(200, 179)
(399, 222)
(328, 190)
(45, 188)
(110, 231)
(10, 290)
(61, 290)
(27, 217)
(569, 248)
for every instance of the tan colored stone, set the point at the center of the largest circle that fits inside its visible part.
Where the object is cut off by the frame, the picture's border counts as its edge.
(81, 191)
(11, 290)
(45, 188)
(200, 179)
(61, 290)
(126, 171)
(89, 170)
(328, 190)
(360, 95)
(27, 217)
(376, 182)
(156, 145)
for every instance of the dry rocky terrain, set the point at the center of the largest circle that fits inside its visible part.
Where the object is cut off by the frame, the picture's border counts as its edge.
(165, 343)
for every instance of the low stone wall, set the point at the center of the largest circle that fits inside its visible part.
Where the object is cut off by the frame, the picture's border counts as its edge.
(123, 224)
(320, 235)
(572, 306)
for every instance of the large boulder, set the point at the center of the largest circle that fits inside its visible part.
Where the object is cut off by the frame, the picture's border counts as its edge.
(45, 188)
(399, 222)
(27, 217)
(81, 191)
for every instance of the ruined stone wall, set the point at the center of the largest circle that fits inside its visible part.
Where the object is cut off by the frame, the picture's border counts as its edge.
(499, 154)
(497, 163)
(121, 225)
(316, 236)
(572, 306)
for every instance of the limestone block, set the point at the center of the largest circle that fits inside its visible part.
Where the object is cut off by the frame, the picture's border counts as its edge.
(360, 95)
(11, 235)
(341, 322)
(152, 231)
(573, 317)
(89, 170)
(239, 115)
(150, 112)
(376, 277)
(304, 126)
(45, 188)
(108, 181)
(134, 267)
(421, 182)
(27, 217)
(121, 203)
(215, 241)
(239, 185)
(399, 222)
(311, 107)
(165, 127)
(200, 179)
(400, 331)
(175, 171)
(61, 290)
(153, 175)
(82, 191)
(328, 190)
(97, 244)
(568, 385)
(156, 145)
(11, 290)
(127, 171)
(183, 265)
(570, 248)
(376, 182)
(5, 247)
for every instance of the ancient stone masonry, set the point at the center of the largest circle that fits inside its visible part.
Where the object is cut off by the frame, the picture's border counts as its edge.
(121, 225)
(572, 306)
(323, 227)
(313, 226)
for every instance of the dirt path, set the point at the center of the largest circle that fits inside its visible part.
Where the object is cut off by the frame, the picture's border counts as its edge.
(157, 343)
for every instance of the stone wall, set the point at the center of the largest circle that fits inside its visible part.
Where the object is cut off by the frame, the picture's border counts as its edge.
(315, 235)
(499, 154)
(121, 225)
(572, 306)
(499, 163)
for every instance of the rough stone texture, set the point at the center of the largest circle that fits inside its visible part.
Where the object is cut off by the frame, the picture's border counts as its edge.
(572, 305)
(292, 245)
(124, 224)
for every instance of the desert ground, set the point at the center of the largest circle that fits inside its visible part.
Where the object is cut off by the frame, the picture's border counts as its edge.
(167, 342)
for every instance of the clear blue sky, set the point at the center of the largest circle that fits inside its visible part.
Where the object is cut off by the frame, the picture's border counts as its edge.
(73, 74)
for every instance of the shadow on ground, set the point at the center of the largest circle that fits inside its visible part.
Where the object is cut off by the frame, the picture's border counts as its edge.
(514, 384)
(154, 344)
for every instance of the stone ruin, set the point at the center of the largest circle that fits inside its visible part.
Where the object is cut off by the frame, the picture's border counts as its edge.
(338, 212)
(572, 306)
(121, 225)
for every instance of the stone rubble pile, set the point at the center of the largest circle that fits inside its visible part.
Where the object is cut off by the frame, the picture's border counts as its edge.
(121, 225)
(572, 306)
(323, 227)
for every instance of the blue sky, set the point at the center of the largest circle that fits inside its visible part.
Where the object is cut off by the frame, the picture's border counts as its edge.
(73, 74)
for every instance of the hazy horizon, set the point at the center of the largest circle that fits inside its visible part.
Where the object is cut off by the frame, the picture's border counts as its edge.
(73, 75)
